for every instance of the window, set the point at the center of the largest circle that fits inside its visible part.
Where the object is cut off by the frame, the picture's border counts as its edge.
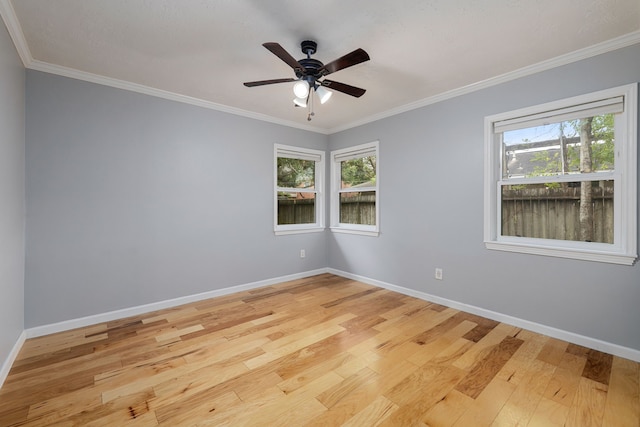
(298, 177)
(354, 190)
(560, 178)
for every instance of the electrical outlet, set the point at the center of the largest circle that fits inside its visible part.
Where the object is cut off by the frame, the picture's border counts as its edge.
(302, 253)
(438, 274)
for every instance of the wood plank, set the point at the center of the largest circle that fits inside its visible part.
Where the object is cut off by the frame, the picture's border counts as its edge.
(315, 371)
(406, 328)
(565, 380)
(128, 410)
(454, 335)
(588, 404)
(272, 412)
(598, 366)
(516, 369)
(553, 351)
(418, 393)
(374, 414)
(522, 403)
(484, 371)
(325, 331)
(549, 413)
(448, 409)
(622, 407)
(348, 405)
(330, 397)
(483, 410)
(484, 346)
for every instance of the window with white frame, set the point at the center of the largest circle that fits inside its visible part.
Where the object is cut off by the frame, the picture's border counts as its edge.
(561, 178)
(298, 197)
(354, 190)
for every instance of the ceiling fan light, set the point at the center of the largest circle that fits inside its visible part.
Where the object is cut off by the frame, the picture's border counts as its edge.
(323, 94)
(300, 102)
(301, 89)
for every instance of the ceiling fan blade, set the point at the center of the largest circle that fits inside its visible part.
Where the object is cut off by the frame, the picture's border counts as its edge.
(344, 88)
(348, 60)
(281, 53)
(267, 82)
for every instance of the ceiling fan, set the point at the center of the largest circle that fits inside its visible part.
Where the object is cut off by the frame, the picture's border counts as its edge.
(309, 71)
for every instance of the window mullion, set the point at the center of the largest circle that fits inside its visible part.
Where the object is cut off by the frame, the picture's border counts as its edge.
(357, 190)
(577, 177)
(296, 190)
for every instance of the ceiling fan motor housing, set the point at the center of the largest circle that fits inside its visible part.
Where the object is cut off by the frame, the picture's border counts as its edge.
(310, 67)
(309, 47)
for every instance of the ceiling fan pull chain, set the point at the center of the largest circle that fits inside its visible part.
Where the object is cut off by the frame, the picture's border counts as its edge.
(310, 104)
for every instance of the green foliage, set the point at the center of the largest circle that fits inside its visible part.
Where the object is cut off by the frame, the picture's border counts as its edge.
(603, 155)
(359, 171)
(603, 127)
(295, 173)
(602, 147)
(546, 163)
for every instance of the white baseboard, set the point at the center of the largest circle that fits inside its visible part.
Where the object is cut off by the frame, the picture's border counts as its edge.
(146, 308)
(6, 366)
(606, 347)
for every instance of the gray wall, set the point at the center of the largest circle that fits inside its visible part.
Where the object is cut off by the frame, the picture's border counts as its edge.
(433, 156)
(12, 123)
(133, 199)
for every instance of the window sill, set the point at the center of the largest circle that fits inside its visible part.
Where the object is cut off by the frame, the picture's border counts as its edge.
(299, 231)
(580, 254)
(372, 233)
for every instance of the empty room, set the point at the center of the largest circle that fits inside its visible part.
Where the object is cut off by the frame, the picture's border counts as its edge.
(296, 213)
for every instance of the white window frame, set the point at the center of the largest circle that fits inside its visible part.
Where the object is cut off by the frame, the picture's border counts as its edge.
(317, 156)
(624, 248)
(338, 156)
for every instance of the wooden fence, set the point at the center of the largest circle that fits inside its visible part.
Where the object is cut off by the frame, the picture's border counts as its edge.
(355, 209)
(296, 211)
(554, 213)
(358, 208)
(548, 213)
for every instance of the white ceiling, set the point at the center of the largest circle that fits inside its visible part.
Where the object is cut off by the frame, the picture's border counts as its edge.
(201, 51)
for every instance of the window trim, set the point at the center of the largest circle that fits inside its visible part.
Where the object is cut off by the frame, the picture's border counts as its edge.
(624, 249)
(337, 156)
(280, 150)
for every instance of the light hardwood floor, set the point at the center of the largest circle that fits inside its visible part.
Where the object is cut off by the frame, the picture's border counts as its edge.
(320, 351)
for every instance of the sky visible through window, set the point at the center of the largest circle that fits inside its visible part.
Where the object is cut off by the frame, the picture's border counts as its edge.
(538, 133)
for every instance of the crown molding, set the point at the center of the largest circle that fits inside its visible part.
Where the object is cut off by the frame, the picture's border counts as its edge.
(172, 96)
(578, 55)
(15, 31)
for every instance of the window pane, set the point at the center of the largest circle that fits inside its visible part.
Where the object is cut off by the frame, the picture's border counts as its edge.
(296, 208)
(569, 147)
(562, 211)
(296, 173)
(360, 172)
(358, 208)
